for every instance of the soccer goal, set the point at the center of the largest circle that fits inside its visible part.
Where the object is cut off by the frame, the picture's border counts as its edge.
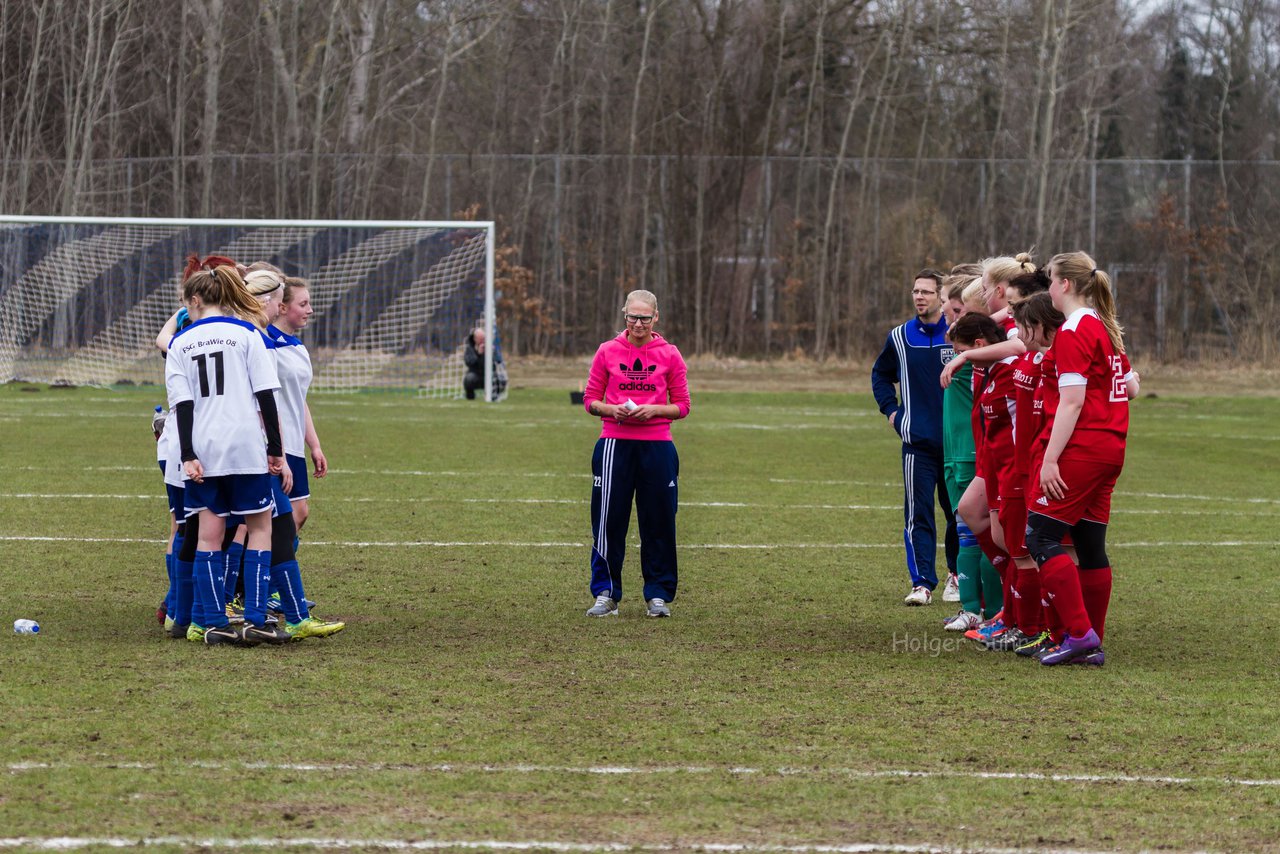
(82, 298)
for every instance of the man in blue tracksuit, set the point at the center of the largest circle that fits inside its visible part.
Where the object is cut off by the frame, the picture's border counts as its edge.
(912, 359)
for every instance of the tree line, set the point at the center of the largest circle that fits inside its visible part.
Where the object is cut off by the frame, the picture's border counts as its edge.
(775, 171)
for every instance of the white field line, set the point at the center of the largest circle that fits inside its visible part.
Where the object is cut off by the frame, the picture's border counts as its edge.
(653, 770)
(454, 500)
(565, 544)
(72, 843)
(894, 485)
(582, 502)
(793, 426)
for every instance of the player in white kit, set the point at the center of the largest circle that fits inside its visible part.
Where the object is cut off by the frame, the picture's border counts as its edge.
(219, 374)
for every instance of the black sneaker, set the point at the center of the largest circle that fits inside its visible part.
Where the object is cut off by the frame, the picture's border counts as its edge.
(1031, 647)
(1007, 642)
(224, 634)
(272, 634)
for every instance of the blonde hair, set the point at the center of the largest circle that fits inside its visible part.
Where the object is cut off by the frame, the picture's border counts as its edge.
(646, 297)
(971, 296)
(222, 286)
(1005, 269)
(262, 282)
(1093, 287)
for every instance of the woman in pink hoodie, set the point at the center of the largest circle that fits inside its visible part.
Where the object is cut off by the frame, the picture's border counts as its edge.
(637, 387)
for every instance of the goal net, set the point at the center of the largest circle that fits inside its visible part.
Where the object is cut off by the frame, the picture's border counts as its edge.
(82, 299)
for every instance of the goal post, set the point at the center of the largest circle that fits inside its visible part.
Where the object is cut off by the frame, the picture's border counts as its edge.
(83, 298)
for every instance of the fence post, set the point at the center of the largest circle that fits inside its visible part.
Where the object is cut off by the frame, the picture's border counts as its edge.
(1186, 261)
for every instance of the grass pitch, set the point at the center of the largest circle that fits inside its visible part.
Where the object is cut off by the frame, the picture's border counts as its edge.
(790, 701)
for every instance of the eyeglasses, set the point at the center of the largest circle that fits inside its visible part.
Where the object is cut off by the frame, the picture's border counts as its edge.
(919, 293)
(639, 318)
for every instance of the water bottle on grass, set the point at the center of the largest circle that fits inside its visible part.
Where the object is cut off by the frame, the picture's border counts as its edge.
(26, 627)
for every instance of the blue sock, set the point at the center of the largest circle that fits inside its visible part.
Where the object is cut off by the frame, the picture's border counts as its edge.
(171, 564)
(257, 576)
(210, 609)
(235, 555)
(297, 541)
(169, 558)
(183, 591)
(288, 578)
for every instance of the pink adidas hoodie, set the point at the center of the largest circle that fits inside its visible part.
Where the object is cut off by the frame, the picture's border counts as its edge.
(654, 373)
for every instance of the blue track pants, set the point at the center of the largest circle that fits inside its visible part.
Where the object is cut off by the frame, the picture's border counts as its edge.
(649, 472)
(921, 479)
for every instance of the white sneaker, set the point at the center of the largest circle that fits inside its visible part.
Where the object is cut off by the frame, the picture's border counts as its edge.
(951, 593)
(962, 622)
(604, 607)
(919, 596)
(658, 608)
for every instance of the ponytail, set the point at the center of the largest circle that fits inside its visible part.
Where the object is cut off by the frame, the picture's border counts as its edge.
(1094, 287)
(222, 286)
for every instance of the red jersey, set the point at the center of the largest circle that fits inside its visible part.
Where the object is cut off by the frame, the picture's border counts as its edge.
(978, 380)
(998, 416)
(1026, 378)
(1083, 356)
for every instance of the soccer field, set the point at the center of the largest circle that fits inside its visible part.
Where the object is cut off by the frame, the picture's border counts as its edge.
(791, 703)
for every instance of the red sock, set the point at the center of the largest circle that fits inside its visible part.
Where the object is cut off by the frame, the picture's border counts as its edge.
(1060, 578)
(1052, 621)
(1012, 606)
(1095, 587)
(998, 556)
(1031, 615)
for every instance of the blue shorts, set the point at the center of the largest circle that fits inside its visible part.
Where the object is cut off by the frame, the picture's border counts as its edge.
(282, 505)
(176, 504)
(241, 494)
(177, 501)
(301, 486)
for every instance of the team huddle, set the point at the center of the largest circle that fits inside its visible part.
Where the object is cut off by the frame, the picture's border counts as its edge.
(1026, 446)
(232, 448)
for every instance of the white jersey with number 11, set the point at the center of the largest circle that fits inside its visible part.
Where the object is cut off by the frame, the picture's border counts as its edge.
(219, 364)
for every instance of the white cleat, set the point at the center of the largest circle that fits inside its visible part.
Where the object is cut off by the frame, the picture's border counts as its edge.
(962, 622)
(951, 593)
(919, 596)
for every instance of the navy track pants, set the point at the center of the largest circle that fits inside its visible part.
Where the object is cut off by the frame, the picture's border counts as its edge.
(649, 472)
(921, 479)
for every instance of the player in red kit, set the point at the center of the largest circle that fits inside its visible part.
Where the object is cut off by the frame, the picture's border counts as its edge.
(1038, 321)
(995, 402)
(1083, 457)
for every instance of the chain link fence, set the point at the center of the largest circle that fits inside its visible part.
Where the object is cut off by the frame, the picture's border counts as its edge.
(759, 256)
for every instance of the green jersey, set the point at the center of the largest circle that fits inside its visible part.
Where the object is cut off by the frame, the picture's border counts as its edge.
(957, 412)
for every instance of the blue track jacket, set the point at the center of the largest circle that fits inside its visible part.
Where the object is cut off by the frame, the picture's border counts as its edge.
(912, 358)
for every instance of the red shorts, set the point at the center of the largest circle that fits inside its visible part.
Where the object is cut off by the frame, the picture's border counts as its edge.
(1001, 481)
(1089, 487)
(1013, 520)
